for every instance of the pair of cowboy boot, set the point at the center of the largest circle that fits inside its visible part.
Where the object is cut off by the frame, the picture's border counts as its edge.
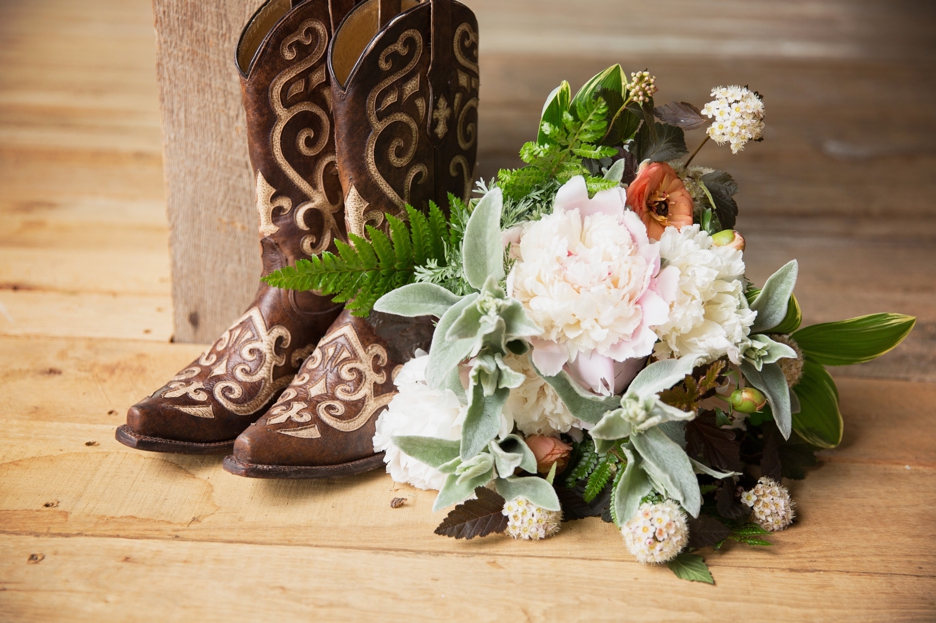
(353, 111)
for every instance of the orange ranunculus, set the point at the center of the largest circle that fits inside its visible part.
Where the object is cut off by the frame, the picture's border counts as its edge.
(549, 450)
(659, 198)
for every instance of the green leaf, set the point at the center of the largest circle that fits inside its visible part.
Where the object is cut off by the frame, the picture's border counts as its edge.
(600, 477)
(630, 488)
(771, 380)
(667, 464)
(852, 341)
(515, 444)
(583, 405)
(819, 420)
(483, 250)
(533, 488)
(431, 451)
(772, 302)
(445, 355)
(482, 421)
(417, 299)
(556, 104)
(691, 567)
(793, 319)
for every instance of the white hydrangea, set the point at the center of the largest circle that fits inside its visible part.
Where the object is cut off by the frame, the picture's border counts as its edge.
(535, 407)
(529, 522)
(771, 504)
(416, 410)
(738, 116)
(709, 315)
(656, 532)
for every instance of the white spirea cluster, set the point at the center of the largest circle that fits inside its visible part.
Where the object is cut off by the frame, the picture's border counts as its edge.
(771, 504)
(535, 407)
(709, 316)
(421, 411)
(738, 116)
(656, 532)
(529, 522)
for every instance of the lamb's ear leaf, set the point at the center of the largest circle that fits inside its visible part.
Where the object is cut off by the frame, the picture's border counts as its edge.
(482, 249)
(666, 463)
(453, 491)
(533, 488)
(417, 299)
(661, 375)
(772, 303)
(771, 380)
(431, 451)
(630, 488)
(582, 404)
(482, 421)
(445, 355)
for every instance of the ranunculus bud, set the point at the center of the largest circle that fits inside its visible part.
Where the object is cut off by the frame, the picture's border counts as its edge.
(549, 450)
(728, 238)
(748, 400)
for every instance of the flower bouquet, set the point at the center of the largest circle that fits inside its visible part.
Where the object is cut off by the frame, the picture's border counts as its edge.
(599, 350)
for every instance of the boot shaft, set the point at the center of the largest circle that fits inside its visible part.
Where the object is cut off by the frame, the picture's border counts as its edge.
(290, 135)
(405, 102)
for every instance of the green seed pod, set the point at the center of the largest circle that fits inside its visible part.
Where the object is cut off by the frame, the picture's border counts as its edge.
(748, 400)
(728, 238)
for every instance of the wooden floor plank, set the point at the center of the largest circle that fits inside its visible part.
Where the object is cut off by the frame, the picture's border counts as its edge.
(95, 579)
(54, 483)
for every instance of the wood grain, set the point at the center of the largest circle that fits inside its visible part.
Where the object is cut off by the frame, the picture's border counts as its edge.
(209, 187)
(843, 183)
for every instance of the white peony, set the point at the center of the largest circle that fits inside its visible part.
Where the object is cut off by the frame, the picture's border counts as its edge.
(709, 315)
(587, 274)
(416, 410)
(535, 407)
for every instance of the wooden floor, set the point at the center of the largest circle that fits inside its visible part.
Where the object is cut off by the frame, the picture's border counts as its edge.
(93, 531)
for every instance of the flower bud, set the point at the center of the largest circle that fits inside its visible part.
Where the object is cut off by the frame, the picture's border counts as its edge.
(547, 451)
(747, 400)
(728, 238)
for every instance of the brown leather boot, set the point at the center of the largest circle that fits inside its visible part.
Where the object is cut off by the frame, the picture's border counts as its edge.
(405, 96)
(281, 57)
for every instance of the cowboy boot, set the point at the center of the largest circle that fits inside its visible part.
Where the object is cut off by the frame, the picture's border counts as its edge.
(405, 97)
(285, 85)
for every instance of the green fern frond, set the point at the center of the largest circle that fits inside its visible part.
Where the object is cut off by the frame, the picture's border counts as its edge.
(600, 477)
(359, 273)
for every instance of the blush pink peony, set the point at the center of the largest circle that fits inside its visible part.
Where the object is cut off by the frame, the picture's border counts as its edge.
(590, 276)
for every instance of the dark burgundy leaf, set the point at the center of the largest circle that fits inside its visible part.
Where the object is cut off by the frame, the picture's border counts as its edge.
(718, 447)
(479, 517)
(705, 531)
(682, 115)
(770, 459)
(795, 456)
(728, 506)
(574, 505)
(722, 187)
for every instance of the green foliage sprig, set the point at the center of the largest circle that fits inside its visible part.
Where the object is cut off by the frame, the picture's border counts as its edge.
(363, 271)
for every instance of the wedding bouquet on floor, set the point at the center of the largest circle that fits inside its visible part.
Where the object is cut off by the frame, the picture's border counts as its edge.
(599, 350)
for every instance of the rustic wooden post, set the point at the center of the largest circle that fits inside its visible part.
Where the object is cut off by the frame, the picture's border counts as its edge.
(209, 187)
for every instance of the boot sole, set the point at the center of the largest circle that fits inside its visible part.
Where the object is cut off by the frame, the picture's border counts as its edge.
(296, 472)
(156, 444)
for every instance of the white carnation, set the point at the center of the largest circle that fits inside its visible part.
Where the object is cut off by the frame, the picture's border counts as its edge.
(535, 407)
(416, 410)
(709, 315)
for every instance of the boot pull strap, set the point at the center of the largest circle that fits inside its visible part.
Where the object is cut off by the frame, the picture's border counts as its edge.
(388, 10)
(441, 62)
(337, 9)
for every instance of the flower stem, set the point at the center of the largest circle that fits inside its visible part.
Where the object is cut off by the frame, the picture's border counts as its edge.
(697, 150)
